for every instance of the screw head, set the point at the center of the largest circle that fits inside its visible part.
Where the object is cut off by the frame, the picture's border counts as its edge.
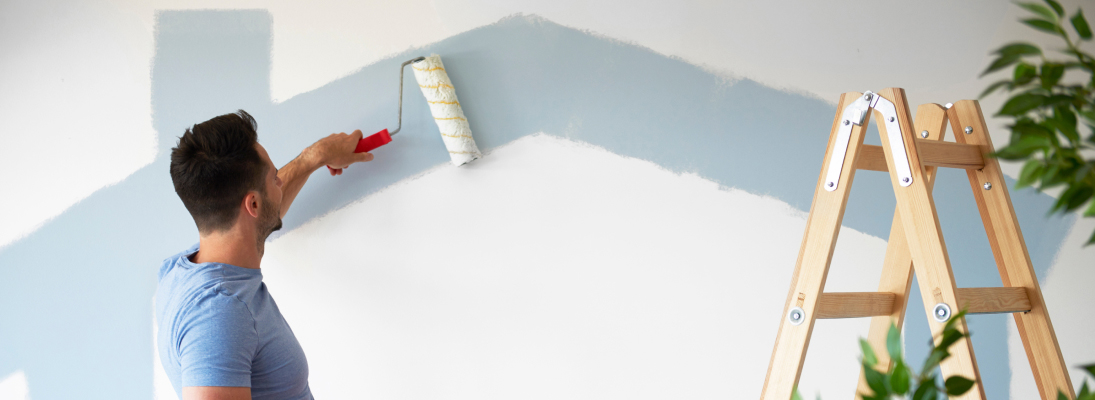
(846, 122)
(796, 316)
(987, 185)
(969, 130)
(924, 134)
(905, 179)
(831, 184)
(867, 96)
(941, 312)
(892, 119)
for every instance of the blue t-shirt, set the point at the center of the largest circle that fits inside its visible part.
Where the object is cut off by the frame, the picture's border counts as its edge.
(218, 326)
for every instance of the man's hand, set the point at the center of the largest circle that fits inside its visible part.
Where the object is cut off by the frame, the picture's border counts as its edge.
(337, 151)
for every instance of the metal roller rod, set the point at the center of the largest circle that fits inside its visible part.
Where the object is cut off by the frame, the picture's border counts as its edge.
(401, 68)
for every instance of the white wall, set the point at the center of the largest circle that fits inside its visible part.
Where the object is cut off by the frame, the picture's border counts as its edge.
(610, 279)
(606, 277)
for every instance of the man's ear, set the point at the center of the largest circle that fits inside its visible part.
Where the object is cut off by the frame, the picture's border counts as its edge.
(251, 203)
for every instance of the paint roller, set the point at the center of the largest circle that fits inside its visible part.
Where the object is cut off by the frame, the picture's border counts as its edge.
(441, 96)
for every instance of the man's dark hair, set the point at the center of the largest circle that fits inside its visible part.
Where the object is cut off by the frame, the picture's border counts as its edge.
(213, 167)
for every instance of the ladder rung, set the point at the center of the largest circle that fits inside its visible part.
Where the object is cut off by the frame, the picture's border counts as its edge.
(932, 153)
(854, 304)
(993, 300)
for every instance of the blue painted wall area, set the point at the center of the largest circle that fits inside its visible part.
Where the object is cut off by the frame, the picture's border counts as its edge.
(75, 296)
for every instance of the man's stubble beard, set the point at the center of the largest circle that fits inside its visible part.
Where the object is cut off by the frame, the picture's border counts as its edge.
(269, 223)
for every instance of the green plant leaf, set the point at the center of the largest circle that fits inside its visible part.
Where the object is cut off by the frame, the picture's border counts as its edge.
(1090, 368)
(950, 337)
(876, 381)
(1056, 7)
(957, 385)
(1017, 150)
(1061, 395)
(1090, 240)
(926, 391)
(1022, 103)
(1032, 170)
(1064, 120)
(1043, 25)
(796, 395)
(1084, 390)
(1090, 116)
(1024, 73)
(869, 358)
(1059, 100)
(1072, 65)
(1053, 176)
(893, 343)
(1051, 74)
(955, 319)
(937, 356)
(1026, 127)
(1081, 26)
(1074, 197)
(899, 379)
(1039, 9)
(1001, 63)
(1018, 49)
(993, 87)
(1090, 210)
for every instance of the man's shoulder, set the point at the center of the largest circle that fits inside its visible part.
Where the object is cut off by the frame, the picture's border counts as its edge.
(190, 294)
(182, 282)
(171, 262)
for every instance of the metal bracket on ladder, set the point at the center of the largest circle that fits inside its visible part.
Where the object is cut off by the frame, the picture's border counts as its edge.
(855, 114)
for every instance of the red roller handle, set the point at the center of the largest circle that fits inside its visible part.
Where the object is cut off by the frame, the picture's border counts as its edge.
(369, 143)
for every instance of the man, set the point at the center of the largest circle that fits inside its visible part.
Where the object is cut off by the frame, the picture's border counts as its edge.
(221, 335)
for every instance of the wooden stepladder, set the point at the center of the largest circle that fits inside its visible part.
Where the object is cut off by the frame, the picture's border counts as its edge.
(911, 155)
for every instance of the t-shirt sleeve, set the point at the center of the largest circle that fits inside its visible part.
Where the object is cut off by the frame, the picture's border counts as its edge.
(217, 343)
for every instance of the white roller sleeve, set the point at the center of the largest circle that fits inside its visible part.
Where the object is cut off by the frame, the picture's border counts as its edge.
(446, 110)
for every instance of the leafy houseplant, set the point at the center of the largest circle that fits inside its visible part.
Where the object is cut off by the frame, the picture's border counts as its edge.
(1047, 109)
(899, 380)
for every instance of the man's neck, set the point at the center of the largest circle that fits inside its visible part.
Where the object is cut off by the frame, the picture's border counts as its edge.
(228, 248)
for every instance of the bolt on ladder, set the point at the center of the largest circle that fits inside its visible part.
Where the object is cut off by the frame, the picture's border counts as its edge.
(915, 243)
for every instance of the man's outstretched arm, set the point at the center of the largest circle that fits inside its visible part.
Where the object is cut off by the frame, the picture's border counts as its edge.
(216, 393)
(336, 151)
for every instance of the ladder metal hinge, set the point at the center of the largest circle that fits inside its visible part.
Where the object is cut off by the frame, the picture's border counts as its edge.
(856, 114)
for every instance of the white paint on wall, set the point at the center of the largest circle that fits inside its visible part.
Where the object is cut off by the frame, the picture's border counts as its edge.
(14, 387)
(618, 279)
(1068, 296)
(75, 110)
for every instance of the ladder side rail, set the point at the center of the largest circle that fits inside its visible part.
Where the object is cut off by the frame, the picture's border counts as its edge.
(1010, 252)
(815, 254)
(931, 262)
(897, 269)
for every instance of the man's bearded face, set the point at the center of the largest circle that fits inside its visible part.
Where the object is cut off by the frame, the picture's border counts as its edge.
(270, 220)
